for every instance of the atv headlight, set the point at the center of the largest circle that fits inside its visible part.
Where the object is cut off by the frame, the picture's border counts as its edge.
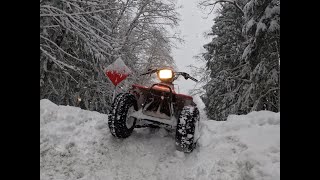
(165, 74)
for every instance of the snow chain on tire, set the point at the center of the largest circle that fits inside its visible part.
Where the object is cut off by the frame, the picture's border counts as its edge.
(186, 129)
(118, 115)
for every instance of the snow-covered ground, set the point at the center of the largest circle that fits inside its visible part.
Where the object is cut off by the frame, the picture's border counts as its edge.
(77, 144)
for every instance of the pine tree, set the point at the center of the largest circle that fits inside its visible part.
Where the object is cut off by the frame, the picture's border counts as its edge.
(262, 54)
(243, 58)
(223, 59)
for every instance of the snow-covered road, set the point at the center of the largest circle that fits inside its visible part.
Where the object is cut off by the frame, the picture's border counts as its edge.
(77, 144)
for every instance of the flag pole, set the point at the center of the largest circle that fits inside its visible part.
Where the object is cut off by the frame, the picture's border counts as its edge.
(114, 93)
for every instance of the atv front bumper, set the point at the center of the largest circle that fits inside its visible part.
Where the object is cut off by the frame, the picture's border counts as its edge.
(145, 120)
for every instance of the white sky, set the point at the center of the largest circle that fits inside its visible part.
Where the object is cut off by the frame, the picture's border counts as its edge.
(192, 27)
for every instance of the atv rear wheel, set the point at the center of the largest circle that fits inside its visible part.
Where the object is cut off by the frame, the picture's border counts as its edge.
(185, 131)
(120, 123)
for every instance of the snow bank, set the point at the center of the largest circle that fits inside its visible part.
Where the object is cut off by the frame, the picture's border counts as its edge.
(250, 144)
(77, 144)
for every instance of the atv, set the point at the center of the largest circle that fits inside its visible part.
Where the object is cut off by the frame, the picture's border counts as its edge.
(157, 106)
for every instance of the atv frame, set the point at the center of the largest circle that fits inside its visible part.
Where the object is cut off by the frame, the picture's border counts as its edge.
(156, 106)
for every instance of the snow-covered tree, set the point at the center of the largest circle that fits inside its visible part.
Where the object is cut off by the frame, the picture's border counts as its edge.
(262, 54)
(79, 38)
(243, 58)
(223, 58)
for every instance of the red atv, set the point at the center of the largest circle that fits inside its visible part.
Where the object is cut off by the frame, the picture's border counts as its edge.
(157, 106)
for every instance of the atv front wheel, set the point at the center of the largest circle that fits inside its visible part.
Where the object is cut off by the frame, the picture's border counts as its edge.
(120, 124)
(185, 131)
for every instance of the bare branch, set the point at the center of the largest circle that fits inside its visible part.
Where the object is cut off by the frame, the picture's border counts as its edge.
(204, 3)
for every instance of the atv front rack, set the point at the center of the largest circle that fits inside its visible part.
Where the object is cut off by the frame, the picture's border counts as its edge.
(176, 94)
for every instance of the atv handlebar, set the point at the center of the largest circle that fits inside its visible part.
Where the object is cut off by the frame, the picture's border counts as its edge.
(185, 75)
(150, 71)
(194, 79)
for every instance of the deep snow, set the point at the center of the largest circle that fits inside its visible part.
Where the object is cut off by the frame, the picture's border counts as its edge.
(77, 144)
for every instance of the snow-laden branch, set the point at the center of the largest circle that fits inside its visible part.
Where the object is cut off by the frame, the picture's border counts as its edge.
(59, 63)
(87, 28)
(81, 60)
(255, 106)
(76, 14)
